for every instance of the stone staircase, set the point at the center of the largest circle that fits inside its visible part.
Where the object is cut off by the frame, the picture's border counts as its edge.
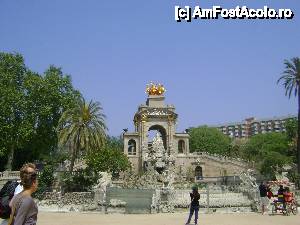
(222, 159)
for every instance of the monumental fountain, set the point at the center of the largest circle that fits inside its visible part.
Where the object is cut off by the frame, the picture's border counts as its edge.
(163, 169)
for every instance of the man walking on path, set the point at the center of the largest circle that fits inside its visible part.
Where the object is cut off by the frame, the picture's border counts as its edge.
(264, 201)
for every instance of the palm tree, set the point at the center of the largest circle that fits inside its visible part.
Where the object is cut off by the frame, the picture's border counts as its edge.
(82, 128)
(291, 83)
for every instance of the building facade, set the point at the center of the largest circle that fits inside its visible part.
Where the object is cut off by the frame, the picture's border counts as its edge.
(252, 126)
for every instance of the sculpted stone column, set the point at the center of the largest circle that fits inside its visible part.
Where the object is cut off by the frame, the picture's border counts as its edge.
(171, 132)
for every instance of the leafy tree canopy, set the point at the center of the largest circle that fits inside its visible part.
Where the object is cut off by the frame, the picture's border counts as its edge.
(261, 144)
(269, 151)
(291, 127)
(273, 162)
(109, 159)
(207, 139)
(15, 126)
(30, 107)
(48, 97)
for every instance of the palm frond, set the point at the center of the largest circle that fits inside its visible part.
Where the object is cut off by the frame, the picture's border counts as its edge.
(291, 77)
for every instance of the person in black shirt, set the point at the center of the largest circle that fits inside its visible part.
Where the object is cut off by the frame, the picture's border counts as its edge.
(194, 207)
(263, 197)
(280, 194)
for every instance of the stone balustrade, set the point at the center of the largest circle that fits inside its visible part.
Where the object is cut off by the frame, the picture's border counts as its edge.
(81, 201)
(8, 175)
(181, 199)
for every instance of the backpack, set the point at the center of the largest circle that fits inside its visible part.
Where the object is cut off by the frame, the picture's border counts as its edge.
(6, 194)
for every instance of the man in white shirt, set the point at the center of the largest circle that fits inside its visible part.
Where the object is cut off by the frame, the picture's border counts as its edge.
(19, 188)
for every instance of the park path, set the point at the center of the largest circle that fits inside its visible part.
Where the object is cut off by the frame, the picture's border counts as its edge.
(74, 218)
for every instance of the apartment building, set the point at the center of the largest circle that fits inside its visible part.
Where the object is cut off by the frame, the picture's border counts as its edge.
(252, 126)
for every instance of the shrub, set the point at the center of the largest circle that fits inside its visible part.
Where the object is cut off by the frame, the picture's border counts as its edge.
(45, 181)
(79, 181)
(109, 159)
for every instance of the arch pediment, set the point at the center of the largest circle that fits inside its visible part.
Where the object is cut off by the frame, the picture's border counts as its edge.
(155, 113)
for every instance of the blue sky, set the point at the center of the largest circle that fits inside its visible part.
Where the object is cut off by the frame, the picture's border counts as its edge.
(215, 71)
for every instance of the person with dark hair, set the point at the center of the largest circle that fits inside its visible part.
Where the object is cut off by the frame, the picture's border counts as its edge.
(288, 197)
(194, 207)
(24, 209)
(264, 201)
(280, 194)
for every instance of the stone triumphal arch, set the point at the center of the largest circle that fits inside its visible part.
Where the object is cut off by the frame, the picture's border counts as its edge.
(155, 115)
(156, 144)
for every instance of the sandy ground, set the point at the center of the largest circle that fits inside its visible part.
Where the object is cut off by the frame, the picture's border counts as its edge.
(48, 218)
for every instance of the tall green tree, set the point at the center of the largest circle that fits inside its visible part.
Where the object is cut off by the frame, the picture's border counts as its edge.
(207, 139)
(30, 107)
(15, 125)
(291, 82)
(82, 128)
(49, 95)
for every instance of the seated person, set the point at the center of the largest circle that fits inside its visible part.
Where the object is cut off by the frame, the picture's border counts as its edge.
(288, 196)
(280, 194)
